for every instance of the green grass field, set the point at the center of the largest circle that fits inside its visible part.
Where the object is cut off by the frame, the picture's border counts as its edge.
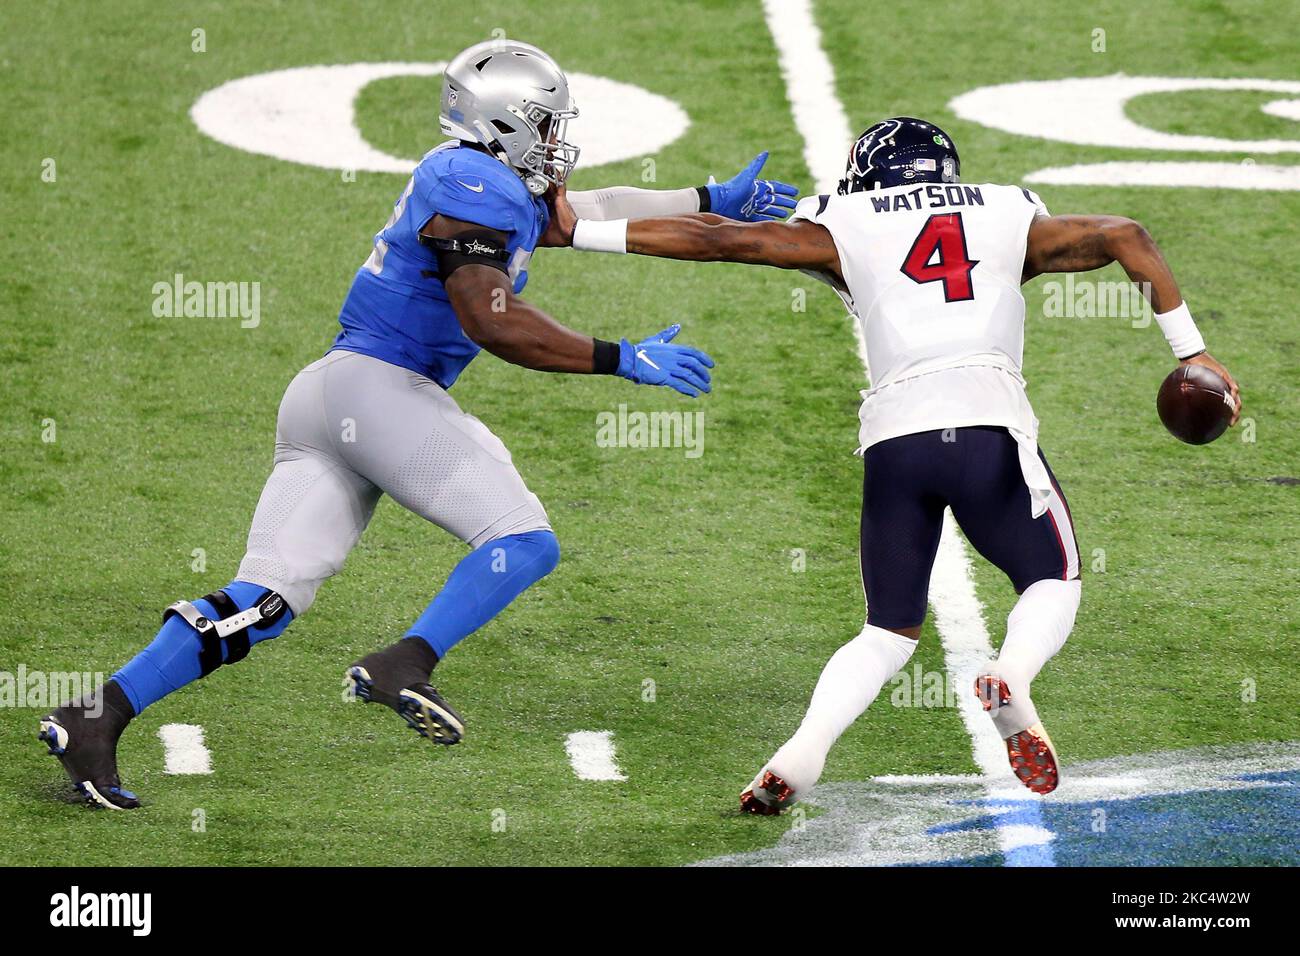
(164, 434)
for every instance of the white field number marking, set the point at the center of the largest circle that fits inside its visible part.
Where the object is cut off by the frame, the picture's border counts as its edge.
(184, 749)
(1245, 175)
(823, 124)
(591, 752)
(1090, 111)
(307, 115)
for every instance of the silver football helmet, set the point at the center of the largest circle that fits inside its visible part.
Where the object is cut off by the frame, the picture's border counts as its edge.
(513, 99)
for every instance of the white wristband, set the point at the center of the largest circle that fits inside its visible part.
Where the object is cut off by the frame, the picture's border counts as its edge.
(1181, 332)
(593, 235)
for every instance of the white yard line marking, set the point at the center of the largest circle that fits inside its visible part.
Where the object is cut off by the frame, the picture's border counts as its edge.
(822, 122)
(913, 779)
(1018, 836)
(810, 86)
(184, 749)
(592, 754)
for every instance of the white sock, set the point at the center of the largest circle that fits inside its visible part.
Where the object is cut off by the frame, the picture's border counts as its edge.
(850, 681)
(1036, 629)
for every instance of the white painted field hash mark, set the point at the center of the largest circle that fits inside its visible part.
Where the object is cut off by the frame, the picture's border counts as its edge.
(591, 752)
(184, 749)
(822, 122)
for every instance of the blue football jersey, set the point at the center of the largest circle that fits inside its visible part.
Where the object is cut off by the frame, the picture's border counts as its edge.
(397, 309)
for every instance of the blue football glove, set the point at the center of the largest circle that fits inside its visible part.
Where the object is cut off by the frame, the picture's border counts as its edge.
(655, 361)
(750, 199)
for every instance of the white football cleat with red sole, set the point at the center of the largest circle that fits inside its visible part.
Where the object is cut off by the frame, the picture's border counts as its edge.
(1030, 752)
(1033, 759)
(767, 795)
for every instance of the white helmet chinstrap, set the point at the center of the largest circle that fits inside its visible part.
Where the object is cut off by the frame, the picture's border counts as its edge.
(513, 99)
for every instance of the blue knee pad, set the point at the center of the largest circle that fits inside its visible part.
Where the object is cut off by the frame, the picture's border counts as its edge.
(483, 584)
(182, 653)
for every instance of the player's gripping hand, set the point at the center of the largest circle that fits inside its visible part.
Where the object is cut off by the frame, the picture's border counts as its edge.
(1214, 365)
(750, 199)
(656, 361)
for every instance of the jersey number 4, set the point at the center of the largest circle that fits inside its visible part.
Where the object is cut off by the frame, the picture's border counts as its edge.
(939, 255)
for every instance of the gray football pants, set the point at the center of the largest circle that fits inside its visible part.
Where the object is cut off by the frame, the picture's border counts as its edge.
(352, 428)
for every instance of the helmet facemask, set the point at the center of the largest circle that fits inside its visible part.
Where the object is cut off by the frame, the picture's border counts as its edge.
(551, 158)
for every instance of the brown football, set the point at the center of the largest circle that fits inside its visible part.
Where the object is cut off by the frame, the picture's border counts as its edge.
(1195, 404)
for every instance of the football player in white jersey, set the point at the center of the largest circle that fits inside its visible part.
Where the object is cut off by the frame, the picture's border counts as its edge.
(931, 267)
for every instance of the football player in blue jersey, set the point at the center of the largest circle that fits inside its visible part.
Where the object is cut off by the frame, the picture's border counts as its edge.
(374, 416)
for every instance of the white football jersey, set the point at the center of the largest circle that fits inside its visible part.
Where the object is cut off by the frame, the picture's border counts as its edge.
(932, 274)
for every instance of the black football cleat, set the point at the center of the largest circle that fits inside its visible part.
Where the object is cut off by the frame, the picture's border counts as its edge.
(398, 678)
(430, 716)
(83, 735)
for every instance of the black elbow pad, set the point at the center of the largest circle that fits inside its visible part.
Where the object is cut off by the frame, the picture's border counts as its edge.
(472, 247)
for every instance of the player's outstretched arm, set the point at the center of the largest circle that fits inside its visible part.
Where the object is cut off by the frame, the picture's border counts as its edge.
(701, 237)
(1083, 243)
(744, 197)
(708, 238)
(471, 263)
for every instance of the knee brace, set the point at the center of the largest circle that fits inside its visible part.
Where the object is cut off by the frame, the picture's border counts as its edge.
(231, 626)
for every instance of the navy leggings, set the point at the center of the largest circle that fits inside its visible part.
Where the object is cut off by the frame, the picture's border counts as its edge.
(908, 482)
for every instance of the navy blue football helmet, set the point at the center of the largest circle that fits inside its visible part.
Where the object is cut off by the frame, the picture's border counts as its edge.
(899, 151)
